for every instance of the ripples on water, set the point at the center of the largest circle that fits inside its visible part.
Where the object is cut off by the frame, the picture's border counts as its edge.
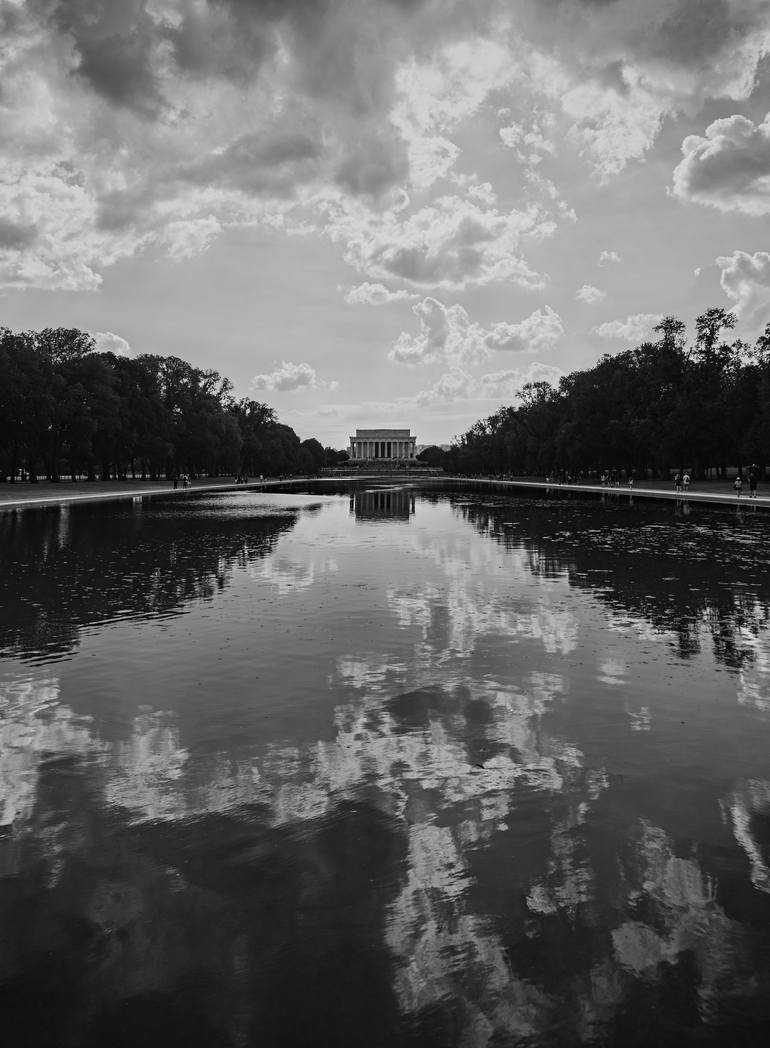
(384, 767)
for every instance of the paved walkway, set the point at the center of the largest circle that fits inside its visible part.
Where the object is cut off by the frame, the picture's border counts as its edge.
(23, 494)
(719, 493)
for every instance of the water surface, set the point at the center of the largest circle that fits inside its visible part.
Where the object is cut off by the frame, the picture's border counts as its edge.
(384, 767)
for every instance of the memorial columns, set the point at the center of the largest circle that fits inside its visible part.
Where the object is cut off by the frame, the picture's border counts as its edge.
(385, 445)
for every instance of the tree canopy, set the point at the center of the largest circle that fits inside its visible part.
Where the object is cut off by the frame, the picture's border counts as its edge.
(66, 409)
(664, 405)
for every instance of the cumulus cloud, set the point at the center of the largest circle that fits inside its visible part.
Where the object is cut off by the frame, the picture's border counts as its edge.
(161, 122)
(635, 328)
(458, 385)
(186, 238)
(624, 66)
(376, 295)
(437, 93)
(745, 279)
(612, 127)
(130, 124)
(728, 167)
(589, 294)
(109, 342)
(452, 243)
(446, 333)
(607, 258)
(291, 378)
(454, 385)
(508, 383)
(540, 331)
(531, 143)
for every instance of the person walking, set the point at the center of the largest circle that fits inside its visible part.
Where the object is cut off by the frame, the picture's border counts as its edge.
(738, 485)
(753, 478)
(678, 481)
(686, 482)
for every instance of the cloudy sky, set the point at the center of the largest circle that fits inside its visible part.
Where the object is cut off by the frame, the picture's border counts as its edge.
(383, 212)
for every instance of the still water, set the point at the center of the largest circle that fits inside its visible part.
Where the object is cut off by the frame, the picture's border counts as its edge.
(384, 767)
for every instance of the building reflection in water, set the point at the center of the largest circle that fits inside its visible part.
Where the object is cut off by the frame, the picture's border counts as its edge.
(383, 504)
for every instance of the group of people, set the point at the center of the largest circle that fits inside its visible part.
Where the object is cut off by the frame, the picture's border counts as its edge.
(682, 482)
(183, 479)
(611, 478)
(753, 473)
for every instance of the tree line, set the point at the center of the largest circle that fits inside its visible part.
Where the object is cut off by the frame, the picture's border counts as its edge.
(670, 404)
(67, 410)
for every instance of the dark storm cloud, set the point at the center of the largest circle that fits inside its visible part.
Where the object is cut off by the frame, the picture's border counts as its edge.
(11, 19)
(373, 167)
(114, 44)
(224, 39)
(14, 236)
(231, 38)
(269, 162)
(679, 32)
(120, 209)
(698, 29)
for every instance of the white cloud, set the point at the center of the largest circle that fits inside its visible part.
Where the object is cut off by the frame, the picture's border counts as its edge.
(291, 378)
(376, 295)
(635, 328)
(728, 167)
(457, 385)
(611, 127)
(436, 94)
(452, 243)
(624, 66)
(540, 331)
(447, 334)
(166, 123)
(509, 383)
(589, 294)
(530, 144)
(745, 279)
(480, 191)
(108, 342)
(189, 237)
(606, 258)
(453, 386)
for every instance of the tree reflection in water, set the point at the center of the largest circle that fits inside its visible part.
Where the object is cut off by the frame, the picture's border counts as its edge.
(681, 579)
(146, 561)
(499, 837)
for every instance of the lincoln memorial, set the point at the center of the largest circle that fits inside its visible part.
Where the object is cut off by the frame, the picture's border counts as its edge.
(369, 445)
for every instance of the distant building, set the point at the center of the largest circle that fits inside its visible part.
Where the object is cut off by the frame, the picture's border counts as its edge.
(376, 445)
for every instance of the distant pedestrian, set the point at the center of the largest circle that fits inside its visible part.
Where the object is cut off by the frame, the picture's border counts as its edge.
(686, 482)
(678, 481)
(738, 485)
(753, 478)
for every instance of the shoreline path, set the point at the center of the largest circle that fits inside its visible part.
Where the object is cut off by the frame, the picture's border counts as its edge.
(24, 495)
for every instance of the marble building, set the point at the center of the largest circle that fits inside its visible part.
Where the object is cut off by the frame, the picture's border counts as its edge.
(370, 445)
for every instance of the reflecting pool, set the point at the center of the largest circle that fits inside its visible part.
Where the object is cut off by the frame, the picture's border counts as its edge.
(384, 766)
